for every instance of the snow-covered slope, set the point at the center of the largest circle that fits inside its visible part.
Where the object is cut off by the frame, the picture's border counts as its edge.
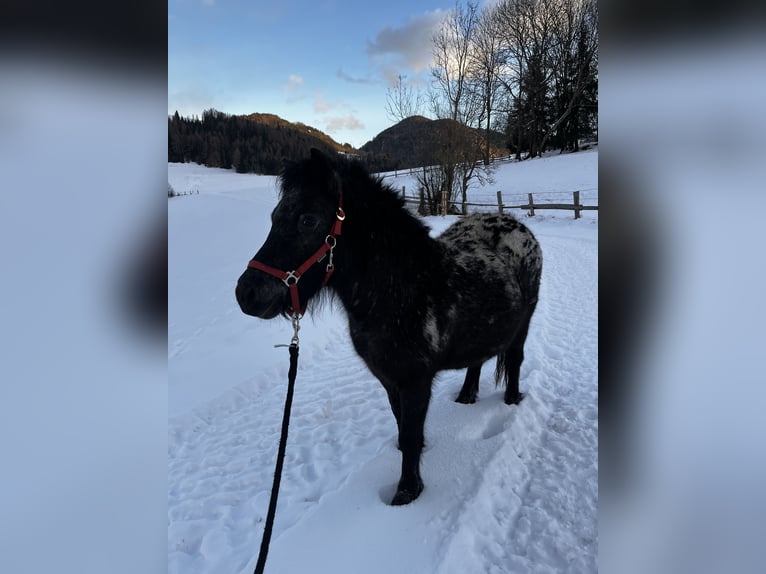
(508, 489)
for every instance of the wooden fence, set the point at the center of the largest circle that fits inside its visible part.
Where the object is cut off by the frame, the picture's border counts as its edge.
(177, 194)
(530, 206)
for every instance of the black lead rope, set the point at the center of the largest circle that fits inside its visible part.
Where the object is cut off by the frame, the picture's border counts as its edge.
(261, 564)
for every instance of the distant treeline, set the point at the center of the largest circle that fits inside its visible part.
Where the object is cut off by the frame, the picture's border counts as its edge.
(259, 143)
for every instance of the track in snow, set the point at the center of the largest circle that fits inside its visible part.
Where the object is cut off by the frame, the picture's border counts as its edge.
(535, 506)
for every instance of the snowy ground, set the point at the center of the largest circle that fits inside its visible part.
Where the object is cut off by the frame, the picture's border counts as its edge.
(508, 489)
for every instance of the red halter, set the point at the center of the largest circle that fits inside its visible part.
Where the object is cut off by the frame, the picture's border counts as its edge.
(291, 278)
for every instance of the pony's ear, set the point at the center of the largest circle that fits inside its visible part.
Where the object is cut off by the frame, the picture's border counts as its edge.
(317, 155)
(321, 163)
(319, 158)
(324, 165)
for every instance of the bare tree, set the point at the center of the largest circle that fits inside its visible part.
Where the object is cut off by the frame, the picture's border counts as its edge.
(488, 58)
(455, 98)
(527, 34)
(451, 69)
(573, 55)
(430, 189)
(550, 48)
(402, 100)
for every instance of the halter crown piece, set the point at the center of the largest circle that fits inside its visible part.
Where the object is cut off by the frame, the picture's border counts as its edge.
(291, 278)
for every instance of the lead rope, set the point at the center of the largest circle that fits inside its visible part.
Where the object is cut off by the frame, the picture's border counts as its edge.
(293, 347)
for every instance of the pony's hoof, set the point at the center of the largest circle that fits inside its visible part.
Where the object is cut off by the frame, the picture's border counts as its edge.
(465, 400)
(404, 496)
(514, 400)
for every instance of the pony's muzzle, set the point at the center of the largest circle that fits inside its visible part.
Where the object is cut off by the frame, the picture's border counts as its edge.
(259, 295)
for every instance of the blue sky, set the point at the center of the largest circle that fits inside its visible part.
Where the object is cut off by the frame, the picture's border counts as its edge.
(321, 62)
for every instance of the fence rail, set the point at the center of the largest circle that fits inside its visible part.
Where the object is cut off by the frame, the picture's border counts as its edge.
(530, 206)
(179, 194)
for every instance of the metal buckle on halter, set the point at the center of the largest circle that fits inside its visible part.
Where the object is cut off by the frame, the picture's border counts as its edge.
(296, 320)
(332, 241)
(290, 275)
(340, 214)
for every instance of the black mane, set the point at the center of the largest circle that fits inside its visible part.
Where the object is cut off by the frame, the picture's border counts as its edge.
(364, 193)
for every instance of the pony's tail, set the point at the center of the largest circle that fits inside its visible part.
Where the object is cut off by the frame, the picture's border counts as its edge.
(528, 274)
(509, 360)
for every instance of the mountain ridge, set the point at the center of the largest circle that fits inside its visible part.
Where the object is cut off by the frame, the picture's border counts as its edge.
(262, 142)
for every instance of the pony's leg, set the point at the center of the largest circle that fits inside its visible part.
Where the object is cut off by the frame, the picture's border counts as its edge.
(395, 401)
(470, 388)
(414, 406)
(512, 359)
(396, 405)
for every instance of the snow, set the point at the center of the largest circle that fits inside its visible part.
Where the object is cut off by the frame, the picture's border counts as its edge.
(508, 489)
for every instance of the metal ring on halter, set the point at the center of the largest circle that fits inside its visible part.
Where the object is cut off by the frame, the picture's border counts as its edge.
(340, 214)
(290, 275)
(334, 241)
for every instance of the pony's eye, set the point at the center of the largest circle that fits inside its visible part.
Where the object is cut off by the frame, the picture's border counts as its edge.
(308, 221)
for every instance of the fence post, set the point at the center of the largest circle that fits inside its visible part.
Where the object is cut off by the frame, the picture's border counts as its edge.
(500, 202)
(576, 204)
(404, 191)
(531, 205)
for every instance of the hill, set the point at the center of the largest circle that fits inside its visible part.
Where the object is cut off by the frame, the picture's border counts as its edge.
(414, 141)
(277, 122)
(262, 143)
(253, 143)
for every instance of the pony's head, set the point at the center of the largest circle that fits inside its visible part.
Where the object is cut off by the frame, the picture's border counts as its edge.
(297, 250)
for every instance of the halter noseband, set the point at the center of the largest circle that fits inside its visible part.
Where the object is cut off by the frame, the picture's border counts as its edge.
(291, 278)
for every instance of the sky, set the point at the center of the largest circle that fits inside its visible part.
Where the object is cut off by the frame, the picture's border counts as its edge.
(325, 63)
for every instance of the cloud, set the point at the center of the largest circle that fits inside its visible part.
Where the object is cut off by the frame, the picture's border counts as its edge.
(349, 78)
(348, 122)
(336, 122)
(410, 45)
(322, 106)
(391, 75)
(294, 81)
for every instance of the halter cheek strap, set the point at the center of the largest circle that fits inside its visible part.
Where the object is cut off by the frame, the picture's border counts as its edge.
(291, 278)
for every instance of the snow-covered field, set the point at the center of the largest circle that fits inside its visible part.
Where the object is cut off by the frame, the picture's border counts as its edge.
(508, 489)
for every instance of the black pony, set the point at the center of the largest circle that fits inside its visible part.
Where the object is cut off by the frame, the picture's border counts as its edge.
(416, 305)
